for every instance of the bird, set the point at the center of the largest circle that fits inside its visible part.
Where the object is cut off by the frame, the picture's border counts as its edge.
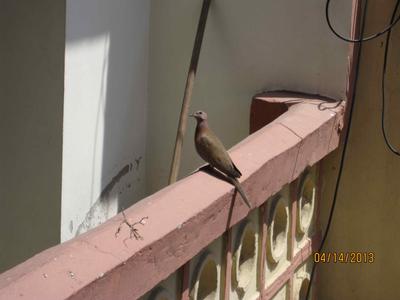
(213, 151)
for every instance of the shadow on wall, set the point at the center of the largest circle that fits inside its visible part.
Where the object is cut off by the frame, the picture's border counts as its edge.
(104, 111)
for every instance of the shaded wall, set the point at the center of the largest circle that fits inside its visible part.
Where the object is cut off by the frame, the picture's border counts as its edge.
(105, 110)
(249, 46)
(366, 218)
(31, 117)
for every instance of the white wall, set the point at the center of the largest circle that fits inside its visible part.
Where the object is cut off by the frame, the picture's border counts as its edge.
(105, 110)
(248, 46)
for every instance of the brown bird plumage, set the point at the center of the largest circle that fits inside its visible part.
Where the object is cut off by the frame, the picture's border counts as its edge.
(211, 149)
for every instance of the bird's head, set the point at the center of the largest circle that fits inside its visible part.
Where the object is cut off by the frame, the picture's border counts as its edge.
(199, 115)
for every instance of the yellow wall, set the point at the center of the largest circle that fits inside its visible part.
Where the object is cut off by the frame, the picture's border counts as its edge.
(367, 214)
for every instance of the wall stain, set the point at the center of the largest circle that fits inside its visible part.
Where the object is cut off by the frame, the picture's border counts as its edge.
(108, 188)
(137, 162)
(99, 211)
(71, 226)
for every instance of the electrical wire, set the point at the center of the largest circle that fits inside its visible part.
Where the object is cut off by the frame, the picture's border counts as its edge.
(342, 159)
(388, 30)
(385, 135)
(362, 39)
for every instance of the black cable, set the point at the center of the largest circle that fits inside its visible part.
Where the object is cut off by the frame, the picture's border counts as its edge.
(345, 144)
(385, 136)
(362, 39)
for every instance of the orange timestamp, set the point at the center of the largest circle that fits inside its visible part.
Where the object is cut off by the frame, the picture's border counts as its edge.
(344, 257)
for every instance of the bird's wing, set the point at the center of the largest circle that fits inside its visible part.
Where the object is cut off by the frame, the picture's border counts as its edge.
(213, 151)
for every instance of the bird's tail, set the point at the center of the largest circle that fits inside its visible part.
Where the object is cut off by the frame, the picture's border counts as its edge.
(241, 192)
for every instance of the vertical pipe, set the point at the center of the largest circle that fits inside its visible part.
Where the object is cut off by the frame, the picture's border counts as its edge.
(176, 160)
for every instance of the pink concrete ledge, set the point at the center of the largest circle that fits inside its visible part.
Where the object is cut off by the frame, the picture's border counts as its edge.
(182, 218)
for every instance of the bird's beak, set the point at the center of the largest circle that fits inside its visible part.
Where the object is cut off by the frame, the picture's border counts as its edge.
(191, 115)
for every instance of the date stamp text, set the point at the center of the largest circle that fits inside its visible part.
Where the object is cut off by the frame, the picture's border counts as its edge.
(355, 257)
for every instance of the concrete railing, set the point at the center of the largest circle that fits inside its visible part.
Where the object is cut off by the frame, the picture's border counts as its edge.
(200, 241)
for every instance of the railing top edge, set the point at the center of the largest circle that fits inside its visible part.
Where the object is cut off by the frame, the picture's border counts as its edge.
(298, 97)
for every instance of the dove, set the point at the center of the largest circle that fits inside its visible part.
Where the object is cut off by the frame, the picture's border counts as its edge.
(211, 149)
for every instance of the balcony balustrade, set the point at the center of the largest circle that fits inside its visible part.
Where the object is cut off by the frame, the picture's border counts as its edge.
(200, 241)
